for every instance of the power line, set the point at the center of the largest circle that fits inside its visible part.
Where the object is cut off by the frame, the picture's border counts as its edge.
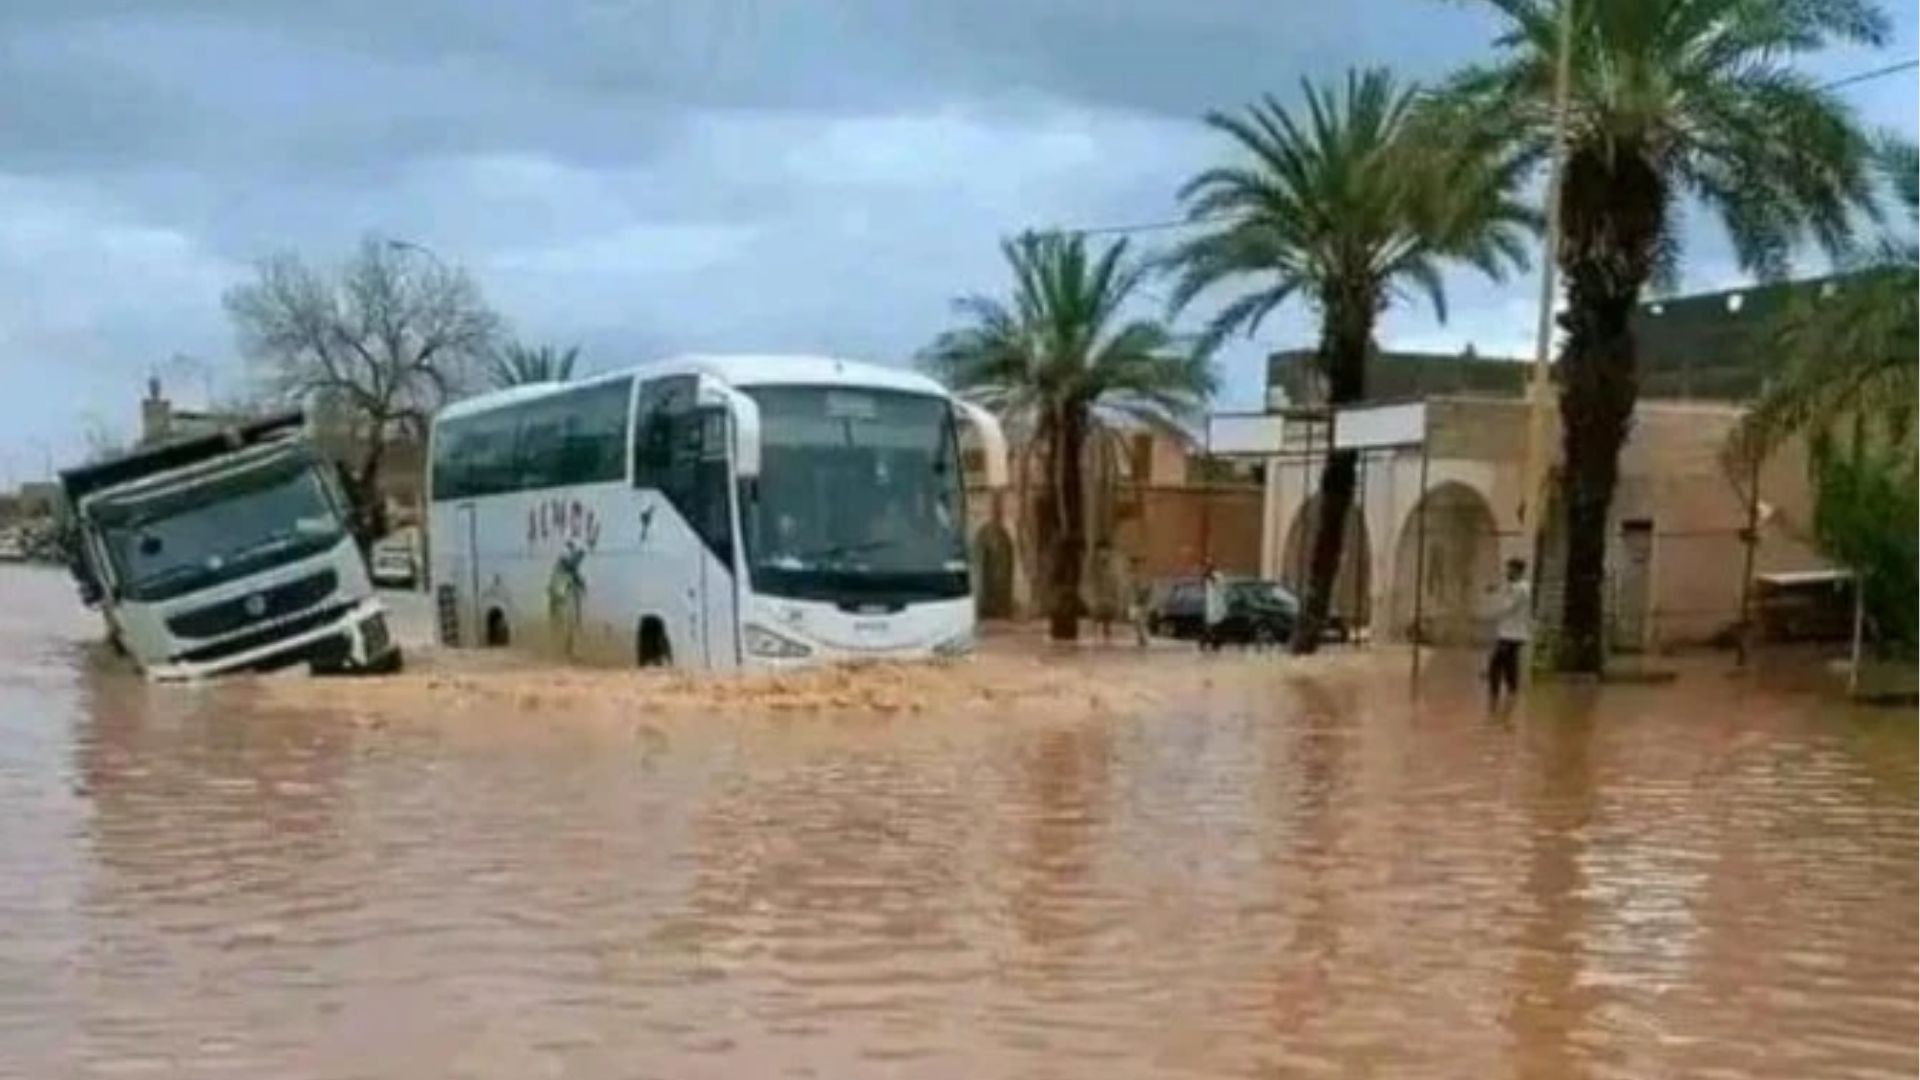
(1876, 73)
(1169, 224)
(1142, 226)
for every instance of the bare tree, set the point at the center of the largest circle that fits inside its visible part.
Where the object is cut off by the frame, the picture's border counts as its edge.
(386, 339)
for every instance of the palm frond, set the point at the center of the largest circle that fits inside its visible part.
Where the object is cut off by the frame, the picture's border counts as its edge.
(1359, 194)
(1061, 340)
(1706, 94)
(520, 364)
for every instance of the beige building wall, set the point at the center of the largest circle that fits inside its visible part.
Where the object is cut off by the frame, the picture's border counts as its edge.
(1676, 553)
(1155, 509)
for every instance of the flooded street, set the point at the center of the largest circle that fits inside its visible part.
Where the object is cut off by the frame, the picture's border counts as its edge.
(1119, 867)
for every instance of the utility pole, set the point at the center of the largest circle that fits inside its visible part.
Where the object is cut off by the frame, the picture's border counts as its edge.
(1206, 493)
(1750, 538)
(1533, 479)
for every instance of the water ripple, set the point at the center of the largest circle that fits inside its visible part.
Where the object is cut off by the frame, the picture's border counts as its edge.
(1302, 876)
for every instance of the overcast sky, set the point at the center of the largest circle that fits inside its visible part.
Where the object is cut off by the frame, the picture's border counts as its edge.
(641, 176)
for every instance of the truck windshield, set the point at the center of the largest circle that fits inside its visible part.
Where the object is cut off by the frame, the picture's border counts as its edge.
(859, 497)
(224, 528)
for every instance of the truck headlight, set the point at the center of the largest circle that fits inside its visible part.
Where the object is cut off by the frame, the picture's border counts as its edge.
(374, 636)
(764, 642)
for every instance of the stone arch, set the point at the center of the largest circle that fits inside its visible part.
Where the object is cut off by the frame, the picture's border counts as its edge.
(993, 554)
(1462, 561)
(1353, 584)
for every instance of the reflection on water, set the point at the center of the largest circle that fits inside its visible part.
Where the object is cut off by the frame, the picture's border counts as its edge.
(1292, 874)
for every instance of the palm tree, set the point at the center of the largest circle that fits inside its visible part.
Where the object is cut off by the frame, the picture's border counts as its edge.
(1667, 99)
(519, 364)
(1345, 208)
(1057, 360)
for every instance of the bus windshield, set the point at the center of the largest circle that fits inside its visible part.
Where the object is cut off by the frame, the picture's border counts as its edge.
(173, 542)
(859, 497)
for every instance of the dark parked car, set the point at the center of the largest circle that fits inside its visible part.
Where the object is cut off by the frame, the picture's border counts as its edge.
(1258, 612)
(1255, 609)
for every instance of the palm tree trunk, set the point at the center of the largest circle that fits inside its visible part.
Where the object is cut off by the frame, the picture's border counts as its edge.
(1596, 405)
(1345, 340)
(1338, 480)
(1613, 208)
(1029, 547)
(1070, 539)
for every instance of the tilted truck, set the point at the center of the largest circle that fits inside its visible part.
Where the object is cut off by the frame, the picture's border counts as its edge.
(223, 552)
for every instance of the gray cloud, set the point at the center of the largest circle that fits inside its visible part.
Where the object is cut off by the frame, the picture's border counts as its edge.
(636, 175)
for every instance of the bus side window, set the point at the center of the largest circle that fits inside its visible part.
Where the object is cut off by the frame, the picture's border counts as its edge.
(588, 437)
(660, 401)
(653, 447)
(490, 462)
(537, 447)
(449, 461)
(594, 443)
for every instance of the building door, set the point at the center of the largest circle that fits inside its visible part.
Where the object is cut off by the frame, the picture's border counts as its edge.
(1632, 587)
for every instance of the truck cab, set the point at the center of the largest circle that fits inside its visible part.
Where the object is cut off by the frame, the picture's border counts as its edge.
(226, 552)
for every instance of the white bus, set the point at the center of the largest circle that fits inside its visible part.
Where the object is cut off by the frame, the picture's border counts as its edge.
(708, 512)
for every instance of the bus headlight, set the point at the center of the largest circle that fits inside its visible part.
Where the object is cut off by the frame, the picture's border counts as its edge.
(764, 642)
(958, 645)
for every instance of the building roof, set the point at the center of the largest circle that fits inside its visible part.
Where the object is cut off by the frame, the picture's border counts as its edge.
(1707, 346)
(1715, 345)
(1404, 376)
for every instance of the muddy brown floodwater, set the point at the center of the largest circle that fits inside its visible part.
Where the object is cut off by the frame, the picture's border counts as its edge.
(1101, 866)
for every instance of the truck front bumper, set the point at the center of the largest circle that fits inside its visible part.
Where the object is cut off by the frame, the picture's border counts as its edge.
(360, 639)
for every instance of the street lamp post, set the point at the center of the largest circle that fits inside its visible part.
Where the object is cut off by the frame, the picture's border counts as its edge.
(422, 523)
(1533, 479)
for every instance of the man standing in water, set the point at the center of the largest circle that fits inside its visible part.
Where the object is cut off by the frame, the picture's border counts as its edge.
(1512, 610)
(1213, 608)
(1137, 601)
(1109, 588)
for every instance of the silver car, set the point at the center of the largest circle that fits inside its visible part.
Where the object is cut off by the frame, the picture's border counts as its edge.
(394, 566)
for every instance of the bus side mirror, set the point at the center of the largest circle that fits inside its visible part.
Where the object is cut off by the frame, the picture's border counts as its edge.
(993, 442)
(746, 437)
(746, 425)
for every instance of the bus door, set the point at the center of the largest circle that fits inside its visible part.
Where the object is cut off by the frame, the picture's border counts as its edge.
(713, 508)
(687, 530)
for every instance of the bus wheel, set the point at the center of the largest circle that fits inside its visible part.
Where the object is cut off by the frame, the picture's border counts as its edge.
(498, 636)
(651, 647)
